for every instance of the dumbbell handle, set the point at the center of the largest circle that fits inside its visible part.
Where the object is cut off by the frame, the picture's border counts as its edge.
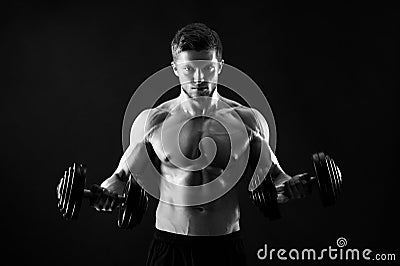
(87, 193)
(309, 178)
(312, 180)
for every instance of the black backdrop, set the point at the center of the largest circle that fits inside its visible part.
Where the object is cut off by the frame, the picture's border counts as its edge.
(69, 71)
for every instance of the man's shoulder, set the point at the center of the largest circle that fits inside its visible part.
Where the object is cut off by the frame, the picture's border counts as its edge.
(249, 116)
(155, 116)
(230, 103)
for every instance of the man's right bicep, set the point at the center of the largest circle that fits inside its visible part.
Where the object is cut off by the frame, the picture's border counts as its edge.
(134, 160)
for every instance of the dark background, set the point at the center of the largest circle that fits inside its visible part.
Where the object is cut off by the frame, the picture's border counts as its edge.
(69, 71)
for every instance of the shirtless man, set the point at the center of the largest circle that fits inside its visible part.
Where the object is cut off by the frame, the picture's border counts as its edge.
(207, 233)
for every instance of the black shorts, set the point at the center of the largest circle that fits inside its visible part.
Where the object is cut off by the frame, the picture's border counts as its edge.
(169, 249)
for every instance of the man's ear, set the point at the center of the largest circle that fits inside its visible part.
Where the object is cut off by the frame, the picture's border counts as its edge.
(221, 64)
(174, 68)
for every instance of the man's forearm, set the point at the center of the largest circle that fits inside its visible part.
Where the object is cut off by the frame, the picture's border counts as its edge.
(277, 174)
(116, 182)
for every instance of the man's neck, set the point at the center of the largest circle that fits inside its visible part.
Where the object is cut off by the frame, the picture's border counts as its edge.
(202, 105)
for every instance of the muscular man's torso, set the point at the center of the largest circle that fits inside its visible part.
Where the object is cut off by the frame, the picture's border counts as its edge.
(182, 165)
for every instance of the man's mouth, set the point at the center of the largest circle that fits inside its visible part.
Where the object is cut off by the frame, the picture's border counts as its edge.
(200, 88)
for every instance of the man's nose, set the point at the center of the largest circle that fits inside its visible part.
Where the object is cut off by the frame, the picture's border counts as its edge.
(198, 76)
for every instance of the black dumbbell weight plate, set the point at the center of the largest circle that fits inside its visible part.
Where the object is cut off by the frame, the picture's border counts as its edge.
(145, 204)
(331, 180)
(61, 192)
(124, 211)
(78, 189)
(254, 196)
(257, 198)
(272, 199)
(135, 216)
(338, 177)
(264, 202)
(324, 179)
(66, 208)
(129, 207)
(334, 177)
(138, 210)
(74, 191)
(64, 192)
(262, 199)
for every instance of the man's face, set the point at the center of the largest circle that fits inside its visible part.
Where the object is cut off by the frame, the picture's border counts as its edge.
(197, 71)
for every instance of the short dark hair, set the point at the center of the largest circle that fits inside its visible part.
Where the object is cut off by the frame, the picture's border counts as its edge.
(196, 36)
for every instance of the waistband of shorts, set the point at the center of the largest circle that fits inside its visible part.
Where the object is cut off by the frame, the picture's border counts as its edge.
(193, 239)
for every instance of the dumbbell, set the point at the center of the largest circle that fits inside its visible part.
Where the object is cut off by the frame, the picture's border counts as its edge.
(71, 190)
(327, 177)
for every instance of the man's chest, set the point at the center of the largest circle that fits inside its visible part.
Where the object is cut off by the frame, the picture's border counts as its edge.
(192, 143)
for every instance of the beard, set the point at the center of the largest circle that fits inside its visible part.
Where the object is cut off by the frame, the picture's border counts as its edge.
(206, 89)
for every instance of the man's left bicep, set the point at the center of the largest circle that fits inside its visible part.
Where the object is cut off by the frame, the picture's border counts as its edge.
(136, 158)
(262, 157)
(261, 130)
(260, 124)
(263, 162)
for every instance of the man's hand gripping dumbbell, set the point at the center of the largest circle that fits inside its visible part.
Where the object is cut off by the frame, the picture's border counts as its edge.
(71, 190)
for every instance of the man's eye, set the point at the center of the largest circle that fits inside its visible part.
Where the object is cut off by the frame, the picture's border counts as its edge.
(210, 68)
(187, 69)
